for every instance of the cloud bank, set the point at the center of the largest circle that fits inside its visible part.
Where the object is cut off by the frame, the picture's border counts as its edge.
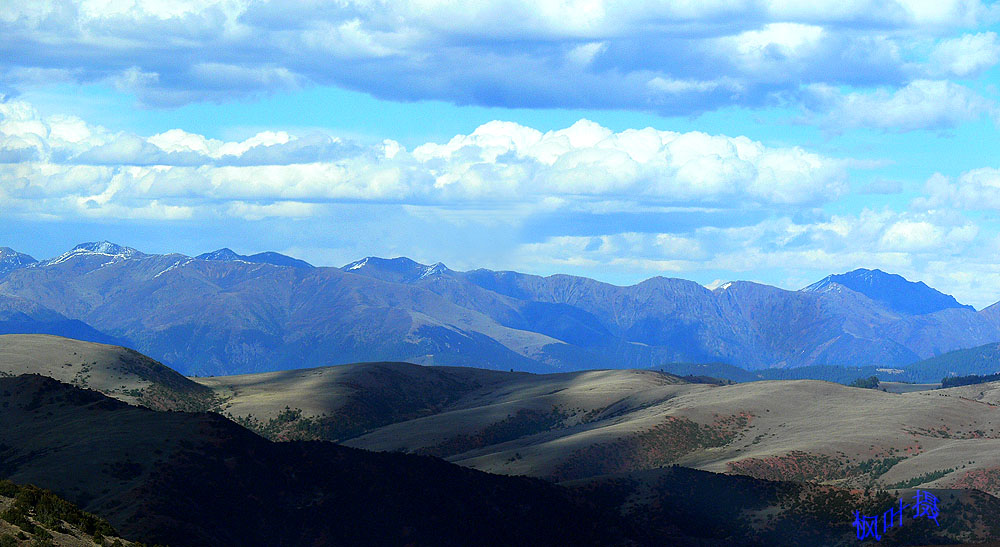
(65, 166)
(665, 57)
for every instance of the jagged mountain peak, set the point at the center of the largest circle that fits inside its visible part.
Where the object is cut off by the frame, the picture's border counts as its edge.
(11, 260)
(893, 290)
(397, 270)
(437, 268)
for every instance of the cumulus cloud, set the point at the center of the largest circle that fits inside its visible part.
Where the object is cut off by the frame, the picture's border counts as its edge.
(668, 57)
(975, 190)
(921, 104)
(966, 55)
(499, 162)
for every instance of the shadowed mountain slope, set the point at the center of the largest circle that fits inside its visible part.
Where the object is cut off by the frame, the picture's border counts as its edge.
(172, 477)
(22, 316)
(222, 314)
(199, 479)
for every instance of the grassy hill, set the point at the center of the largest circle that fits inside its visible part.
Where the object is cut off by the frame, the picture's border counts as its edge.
(198, 479)
(31, 516)
(340, 402)
(580, 425)
(113, 370)
(571, 425)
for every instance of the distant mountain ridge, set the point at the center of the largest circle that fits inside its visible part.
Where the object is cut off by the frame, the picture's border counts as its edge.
(22, 316)
(893, 290)
(11, 260)
(268, 257)
(222, 313)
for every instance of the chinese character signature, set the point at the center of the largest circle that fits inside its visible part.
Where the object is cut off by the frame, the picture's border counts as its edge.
(925, 505)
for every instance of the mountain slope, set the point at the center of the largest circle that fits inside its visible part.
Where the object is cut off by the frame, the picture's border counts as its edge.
(226, 315)
(892, 290)
(22, 316)
(11, 260)
(212, 317)
(39, 517)
(980, 360)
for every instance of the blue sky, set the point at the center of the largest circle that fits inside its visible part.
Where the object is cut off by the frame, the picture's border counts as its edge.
(764, 140)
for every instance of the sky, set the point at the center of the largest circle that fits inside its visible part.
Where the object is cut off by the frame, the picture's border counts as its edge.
(770, 141)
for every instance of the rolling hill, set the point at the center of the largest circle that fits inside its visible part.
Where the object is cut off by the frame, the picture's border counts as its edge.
(568, 426)
(198, 479)
(611, 438)
(112, 370)
(584, 425)
(172, 477)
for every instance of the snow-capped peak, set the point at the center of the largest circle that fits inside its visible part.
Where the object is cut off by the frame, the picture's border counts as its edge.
(106, 248)
(11, 260)
(224, 254)
(11, 257)
(99, 248)
(437, 268)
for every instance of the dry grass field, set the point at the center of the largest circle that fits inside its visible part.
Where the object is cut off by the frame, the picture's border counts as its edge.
(581, 424)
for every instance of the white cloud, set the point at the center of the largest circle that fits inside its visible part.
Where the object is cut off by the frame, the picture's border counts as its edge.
(668, 57)
(922, 104)
(978, 189)
(499, 162)
(966, 55)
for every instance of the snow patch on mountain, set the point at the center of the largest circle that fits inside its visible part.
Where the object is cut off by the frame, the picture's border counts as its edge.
(358, 264)
(179, 264)
(116, 252)
(436, 269)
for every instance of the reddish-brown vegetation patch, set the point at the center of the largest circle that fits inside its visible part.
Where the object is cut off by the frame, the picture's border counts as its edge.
(796, 466)
(986, 480)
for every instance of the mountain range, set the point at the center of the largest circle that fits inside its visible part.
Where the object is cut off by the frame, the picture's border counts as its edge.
(225, 313)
